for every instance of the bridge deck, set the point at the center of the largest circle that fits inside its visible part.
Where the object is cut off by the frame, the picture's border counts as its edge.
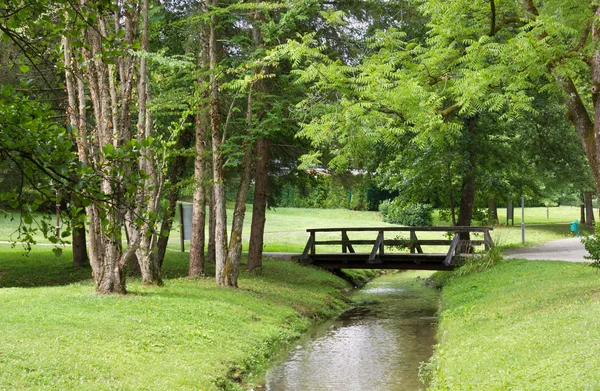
(379, 258)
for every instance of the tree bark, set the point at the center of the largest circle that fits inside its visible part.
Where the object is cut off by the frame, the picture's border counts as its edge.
(234, 252)
(222, 273)
(467, 201)
(259, 210)
(210, 251)
(589, 209)
(261, 173)
(197, 242)
(492, 211)
(148, 197)
(79, 246)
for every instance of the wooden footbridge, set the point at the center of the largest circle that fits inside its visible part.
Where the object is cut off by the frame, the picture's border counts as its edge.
(389, 250)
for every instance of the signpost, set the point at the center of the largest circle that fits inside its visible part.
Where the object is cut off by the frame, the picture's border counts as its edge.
(185, 219)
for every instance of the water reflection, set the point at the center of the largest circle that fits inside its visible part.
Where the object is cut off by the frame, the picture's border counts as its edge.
(375, 346)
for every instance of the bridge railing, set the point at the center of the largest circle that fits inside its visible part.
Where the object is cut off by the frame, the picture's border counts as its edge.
(413, 243)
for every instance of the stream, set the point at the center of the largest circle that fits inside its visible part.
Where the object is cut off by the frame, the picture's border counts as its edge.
(377, 345)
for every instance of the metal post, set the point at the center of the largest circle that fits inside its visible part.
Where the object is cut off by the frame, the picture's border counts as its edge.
(57, 215)
(523, 218)
(181, 234)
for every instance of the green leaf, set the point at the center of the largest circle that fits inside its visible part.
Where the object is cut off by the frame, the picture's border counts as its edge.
(24, 68)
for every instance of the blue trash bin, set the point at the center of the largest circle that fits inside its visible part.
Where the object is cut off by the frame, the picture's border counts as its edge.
(575, 227)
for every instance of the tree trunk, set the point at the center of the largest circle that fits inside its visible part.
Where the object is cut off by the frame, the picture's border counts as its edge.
(261, 174)
(492, 211)
(210, 251)
(148, 197)
(589, 209)
(133, 265)
(259, 211)
(234, 254)
(80, 256)
(222, 274)
(465, 212)
(197, 242)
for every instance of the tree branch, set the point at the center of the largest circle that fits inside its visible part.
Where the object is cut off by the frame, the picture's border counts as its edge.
(492, 18)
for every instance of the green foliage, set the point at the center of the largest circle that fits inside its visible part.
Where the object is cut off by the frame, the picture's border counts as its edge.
(396, 212)
(592, 245)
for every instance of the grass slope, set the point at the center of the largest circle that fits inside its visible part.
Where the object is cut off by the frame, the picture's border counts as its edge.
(188, 335)
(520, 326)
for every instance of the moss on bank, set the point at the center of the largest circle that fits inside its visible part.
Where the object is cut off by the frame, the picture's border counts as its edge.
(522, 325)
(188, 334)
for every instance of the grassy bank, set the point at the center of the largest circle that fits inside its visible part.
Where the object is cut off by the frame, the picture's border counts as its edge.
(56, 333)
(522, 325)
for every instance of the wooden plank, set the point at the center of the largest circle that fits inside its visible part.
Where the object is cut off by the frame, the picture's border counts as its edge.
(449, 257)
(403, 229)
(376, 248)
(489, 243)
(348, 243)
(394, 242)
(309, 245)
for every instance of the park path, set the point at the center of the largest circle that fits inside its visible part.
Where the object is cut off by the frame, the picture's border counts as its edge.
(569, 250)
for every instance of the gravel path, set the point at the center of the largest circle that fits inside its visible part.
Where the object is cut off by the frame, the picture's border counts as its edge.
(569, 250)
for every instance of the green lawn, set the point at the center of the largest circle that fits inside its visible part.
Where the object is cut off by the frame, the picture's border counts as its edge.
(57, 334)
(522, 325)
(285, 230)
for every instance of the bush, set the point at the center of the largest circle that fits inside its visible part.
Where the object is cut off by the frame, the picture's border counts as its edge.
(414, 215)
(592, 245)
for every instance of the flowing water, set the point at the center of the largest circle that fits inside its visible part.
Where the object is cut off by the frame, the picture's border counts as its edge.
(378, 345)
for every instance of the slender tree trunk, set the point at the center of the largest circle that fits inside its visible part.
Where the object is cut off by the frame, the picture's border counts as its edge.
(222, 274)
(203, 123)
(589, 209)
(492, 211)
(467, 201)
(210, 251)
(148, 196)
(261, 173)
(80, 256)
(582, 211)
(174, 175)
(133, 265)
(232, 264)
(259, 210)
(197, 242)
(75, 111)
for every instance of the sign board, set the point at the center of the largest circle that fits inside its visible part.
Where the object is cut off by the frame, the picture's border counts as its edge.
(185, 219)
(510, 213)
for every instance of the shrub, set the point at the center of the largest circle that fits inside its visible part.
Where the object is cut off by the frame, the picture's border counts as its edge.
(592, 245)
(412, 215)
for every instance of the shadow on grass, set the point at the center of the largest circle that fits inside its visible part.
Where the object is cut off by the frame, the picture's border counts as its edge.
(41, 267)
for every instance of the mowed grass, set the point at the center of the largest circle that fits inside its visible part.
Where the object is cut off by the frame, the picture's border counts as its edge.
(522, 325)
(285, 229)
(187, 335)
